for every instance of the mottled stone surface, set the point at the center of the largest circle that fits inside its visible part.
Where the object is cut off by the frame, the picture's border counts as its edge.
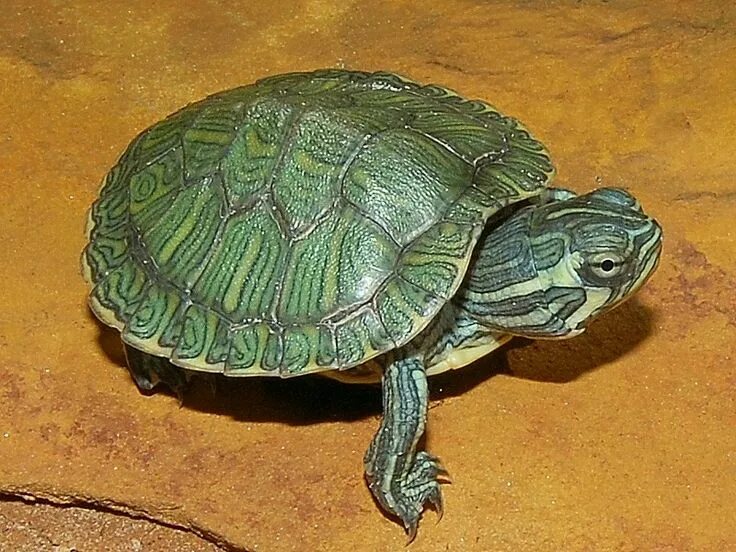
(621, 439)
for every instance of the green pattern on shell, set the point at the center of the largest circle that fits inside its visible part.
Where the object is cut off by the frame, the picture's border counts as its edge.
(310, 221)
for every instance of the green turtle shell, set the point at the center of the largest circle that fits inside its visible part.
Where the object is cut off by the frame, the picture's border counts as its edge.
(307, 222)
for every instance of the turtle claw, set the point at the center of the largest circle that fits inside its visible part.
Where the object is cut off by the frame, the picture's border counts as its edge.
(412, 512)
(406, 495)
(437, 503)
(442, 472)
(411, 531)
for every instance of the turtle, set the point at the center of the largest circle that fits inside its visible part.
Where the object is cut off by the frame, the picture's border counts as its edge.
(358, 225)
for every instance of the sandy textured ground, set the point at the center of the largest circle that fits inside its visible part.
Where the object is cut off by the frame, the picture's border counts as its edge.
(622, 439)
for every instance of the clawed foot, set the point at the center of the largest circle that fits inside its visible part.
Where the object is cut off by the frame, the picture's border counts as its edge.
(405, 496)
(148, 371)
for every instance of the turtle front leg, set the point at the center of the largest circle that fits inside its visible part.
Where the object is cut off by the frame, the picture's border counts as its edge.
(402, 480)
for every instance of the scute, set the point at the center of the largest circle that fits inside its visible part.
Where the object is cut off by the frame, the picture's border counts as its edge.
(307, 222)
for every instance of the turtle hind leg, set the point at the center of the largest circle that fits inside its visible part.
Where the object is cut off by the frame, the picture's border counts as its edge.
(149, 370)
(401, 479)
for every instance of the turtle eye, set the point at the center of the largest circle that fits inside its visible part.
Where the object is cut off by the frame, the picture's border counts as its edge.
(606, 265)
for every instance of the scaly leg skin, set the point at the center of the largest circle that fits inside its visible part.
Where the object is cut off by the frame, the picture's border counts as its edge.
(149, 370)
(402, 480)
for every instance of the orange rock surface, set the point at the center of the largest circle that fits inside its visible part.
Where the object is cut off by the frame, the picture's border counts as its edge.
(621, 439)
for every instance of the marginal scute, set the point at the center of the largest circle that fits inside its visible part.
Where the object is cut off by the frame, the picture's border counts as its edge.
(121, 290)
(106, 252)
(402, 307)
(360, 335)
(273, 353)
(159, 139)
(246, 349)
(468, 137)
(308, 222)
(326, 346)
(156, 309)
(471, 206)
(204, 334)
(110, 212)
(504, 184)
(300, 344)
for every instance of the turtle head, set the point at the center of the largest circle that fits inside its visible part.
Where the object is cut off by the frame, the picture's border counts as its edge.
(591, 253)
(565, 262)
